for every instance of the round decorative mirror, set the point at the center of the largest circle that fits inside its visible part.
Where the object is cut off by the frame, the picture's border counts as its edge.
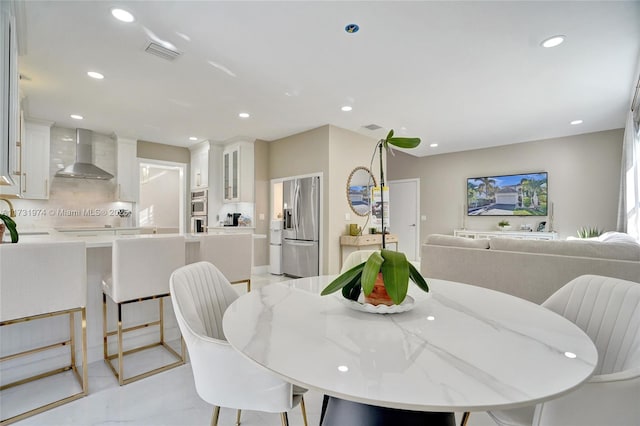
(359, 187)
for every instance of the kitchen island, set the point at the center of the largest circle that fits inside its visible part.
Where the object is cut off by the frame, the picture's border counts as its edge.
(98, 257)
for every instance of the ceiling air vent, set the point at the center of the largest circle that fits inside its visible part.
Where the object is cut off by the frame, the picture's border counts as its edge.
(372, 127)
(161, 51)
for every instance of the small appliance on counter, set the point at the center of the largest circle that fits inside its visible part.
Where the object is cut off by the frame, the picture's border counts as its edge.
(232, 219)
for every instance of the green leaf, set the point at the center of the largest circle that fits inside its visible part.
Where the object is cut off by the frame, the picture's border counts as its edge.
(343, 279)
(395, 272)
(418, 278)
(389, 135)
(370, 272)
(11, 227)
(352, 292)
(404, 142)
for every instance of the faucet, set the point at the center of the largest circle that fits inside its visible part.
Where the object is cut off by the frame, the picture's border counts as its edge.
(12, 212)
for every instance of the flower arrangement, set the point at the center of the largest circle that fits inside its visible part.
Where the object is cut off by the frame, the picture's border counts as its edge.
(384, 277)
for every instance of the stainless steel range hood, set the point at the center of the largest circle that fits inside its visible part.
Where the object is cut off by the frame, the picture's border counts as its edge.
(83, 168)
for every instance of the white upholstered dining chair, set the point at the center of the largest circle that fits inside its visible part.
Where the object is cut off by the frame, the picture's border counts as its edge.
(355, 258)
(141, 268)
(608, 310)
(200, 294)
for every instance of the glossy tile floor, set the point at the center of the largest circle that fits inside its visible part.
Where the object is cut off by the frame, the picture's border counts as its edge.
(167, 398)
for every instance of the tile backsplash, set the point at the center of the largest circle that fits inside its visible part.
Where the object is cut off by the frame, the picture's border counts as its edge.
(75, 202)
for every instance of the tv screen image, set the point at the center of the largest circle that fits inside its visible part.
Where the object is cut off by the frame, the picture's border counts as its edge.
(508, 195)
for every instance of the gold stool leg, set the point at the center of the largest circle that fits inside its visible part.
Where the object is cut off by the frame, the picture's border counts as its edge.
(104, 326)
(85, 369)
(465, 418)
(216, 414)
(284, 418)
(238, 417)
(120, 349)
(303, 408)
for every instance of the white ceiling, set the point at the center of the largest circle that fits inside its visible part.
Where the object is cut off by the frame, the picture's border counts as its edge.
(464, 75)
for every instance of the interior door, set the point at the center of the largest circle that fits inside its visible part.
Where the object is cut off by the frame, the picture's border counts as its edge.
(404, 196)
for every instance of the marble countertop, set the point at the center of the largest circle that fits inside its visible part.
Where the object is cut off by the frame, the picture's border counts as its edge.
(98, 241)
(461, 348)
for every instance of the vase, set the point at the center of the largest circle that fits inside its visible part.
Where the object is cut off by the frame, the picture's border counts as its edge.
(379, 295)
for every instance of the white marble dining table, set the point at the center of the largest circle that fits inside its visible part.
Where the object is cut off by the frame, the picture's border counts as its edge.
(460, 348)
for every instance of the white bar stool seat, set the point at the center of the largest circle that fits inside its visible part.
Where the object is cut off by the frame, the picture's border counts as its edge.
(40, 281)
(141, 268)
(231, 254)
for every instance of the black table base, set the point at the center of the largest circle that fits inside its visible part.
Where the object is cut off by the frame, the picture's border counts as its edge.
(340, 412)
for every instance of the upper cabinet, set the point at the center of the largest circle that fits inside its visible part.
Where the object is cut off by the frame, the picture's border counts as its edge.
(127, 175)
(9, 98)
(237, 173)
(200, 165)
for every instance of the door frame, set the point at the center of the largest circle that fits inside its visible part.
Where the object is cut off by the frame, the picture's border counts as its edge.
(185, 195)
(417, 228)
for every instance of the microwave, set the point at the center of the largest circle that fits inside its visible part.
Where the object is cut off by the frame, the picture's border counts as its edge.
(199, 203)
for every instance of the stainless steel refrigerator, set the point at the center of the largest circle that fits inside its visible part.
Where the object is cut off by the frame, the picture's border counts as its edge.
(301, 233)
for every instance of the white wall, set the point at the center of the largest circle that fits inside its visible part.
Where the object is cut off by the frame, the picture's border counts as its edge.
(159, 196)
(584, 177)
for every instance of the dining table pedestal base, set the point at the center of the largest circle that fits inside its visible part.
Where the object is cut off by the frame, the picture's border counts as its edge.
(340, 412)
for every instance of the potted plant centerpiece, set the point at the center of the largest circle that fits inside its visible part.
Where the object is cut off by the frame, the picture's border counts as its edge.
(6, 223)
(504, 225)
(384, 277)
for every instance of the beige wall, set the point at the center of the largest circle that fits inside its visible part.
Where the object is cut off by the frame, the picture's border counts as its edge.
(334, 152)
(261, 174)
(347, 150)
(584, 176)
(158, 151)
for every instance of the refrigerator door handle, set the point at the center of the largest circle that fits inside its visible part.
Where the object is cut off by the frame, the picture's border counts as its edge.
(301, 243)
(296, 207)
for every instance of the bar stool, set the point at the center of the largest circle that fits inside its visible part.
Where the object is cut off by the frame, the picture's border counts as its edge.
(41, 281)
(231, 254)
(141, 268)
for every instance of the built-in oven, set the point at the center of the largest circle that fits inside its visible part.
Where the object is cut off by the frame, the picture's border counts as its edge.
(199, 203)
(198, 224)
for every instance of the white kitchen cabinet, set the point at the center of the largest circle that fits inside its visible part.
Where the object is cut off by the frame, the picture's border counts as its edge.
(200, 165)
(237, 173)
(9, 97)
(15, 165)
(127, 175)
(35, 159)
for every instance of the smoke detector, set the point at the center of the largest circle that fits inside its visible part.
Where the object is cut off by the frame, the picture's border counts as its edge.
(372, 127)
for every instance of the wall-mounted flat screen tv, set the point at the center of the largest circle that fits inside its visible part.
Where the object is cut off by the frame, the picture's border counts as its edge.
(509, 195)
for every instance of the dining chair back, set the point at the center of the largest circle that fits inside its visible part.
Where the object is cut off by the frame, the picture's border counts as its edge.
(231, 254)
(141, 268)
(608, 311)
(200, 294)
(39, 281)
(355, 258)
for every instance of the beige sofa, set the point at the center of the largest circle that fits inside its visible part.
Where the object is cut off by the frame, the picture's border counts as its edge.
(530, 269)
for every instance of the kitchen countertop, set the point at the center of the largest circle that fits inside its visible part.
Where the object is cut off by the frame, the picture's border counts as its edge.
(100, 240)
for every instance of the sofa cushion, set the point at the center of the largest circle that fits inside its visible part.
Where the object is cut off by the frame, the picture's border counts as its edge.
(450, 240)
(596, 249)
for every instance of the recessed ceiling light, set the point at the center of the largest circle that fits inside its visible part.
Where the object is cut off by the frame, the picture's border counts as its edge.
(76, 117)
(352, 28)
(553, 41)
(244, 115)
(574, 122)
(95, 75)
(193, 138)
(122, 15)
(433, 145)
(346, 108)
